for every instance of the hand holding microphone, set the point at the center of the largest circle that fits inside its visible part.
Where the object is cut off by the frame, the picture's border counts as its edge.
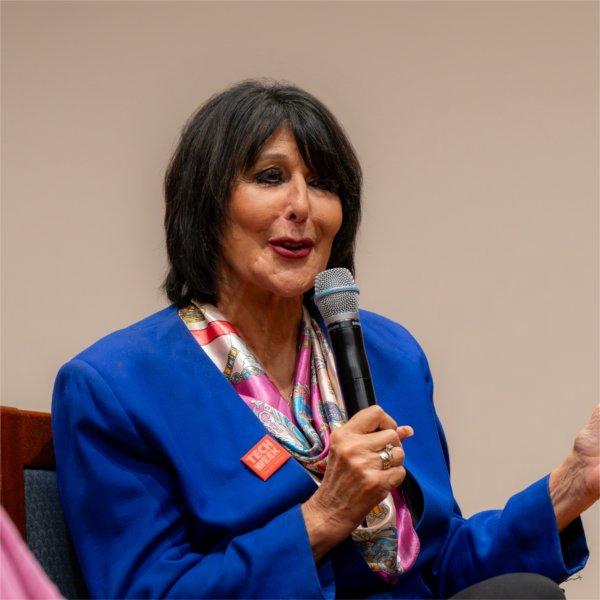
(357, 477)
(354, 481)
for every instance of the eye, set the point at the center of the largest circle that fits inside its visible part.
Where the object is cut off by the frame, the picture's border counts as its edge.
(269, 176)
(274, 176)
(329, 185)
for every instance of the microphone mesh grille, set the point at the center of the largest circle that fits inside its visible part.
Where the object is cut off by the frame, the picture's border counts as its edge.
(336, 302)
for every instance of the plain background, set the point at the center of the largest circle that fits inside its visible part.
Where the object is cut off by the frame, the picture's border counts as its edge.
(475, 122)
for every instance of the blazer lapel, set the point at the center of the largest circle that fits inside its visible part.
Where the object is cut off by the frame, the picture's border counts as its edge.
(230, 429)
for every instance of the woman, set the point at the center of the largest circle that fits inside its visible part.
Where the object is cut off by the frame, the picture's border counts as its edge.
(174, 436)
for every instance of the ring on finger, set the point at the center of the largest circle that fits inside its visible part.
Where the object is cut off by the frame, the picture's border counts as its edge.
(386, 457)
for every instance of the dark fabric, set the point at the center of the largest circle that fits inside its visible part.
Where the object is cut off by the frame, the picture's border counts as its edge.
(47, 534)
(512, 586)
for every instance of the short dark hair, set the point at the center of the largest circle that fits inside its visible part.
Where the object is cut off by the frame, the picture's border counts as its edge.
(224, 138)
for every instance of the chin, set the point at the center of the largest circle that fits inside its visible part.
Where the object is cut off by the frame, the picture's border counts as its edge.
(294, 289)
(291, 293)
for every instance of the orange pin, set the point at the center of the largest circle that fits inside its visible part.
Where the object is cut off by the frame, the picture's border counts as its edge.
(265, 457)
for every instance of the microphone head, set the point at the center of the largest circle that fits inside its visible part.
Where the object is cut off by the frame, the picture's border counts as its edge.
(335, 293)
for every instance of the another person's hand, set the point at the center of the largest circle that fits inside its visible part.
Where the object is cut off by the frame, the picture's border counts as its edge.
(354, 481)
(575, 484)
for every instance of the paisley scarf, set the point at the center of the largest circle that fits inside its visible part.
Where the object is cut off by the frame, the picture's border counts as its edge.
(302, 424)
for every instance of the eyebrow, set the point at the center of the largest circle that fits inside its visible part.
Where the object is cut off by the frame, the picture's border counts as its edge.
(273, 156)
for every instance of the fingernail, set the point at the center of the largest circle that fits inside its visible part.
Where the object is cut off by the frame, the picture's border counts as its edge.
(407, 429)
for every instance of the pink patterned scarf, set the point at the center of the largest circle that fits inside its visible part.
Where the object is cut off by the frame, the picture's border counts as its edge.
(302, 424)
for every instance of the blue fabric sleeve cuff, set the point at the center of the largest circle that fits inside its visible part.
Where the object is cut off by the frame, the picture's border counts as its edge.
(561, 554)
(293, 527)
(326, 578)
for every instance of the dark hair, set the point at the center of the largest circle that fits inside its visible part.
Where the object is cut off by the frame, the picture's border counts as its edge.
(224, 138)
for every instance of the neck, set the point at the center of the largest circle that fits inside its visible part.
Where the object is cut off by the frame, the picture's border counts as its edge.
(269, 325)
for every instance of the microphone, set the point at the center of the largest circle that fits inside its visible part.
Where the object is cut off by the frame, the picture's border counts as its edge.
(336, 297)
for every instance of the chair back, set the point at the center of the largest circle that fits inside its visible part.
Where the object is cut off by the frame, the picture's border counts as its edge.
(29, 494)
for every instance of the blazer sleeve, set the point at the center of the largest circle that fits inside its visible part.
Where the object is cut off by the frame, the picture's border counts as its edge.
(522, 537)
(129, 528)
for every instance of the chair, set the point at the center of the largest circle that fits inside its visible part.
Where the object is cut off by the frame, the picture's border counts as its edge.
(29, 494)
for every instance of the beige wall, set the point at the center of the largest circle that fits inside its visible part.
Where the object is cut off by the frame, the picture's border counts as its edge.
(476, 124)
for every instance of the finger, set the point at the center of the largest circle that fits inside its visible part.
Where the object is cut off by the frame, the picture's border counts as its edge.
(396, 476)
(370, 419)
(397, 456)
(405, 431)
(378, 440)
(397, 459)
(392, 477)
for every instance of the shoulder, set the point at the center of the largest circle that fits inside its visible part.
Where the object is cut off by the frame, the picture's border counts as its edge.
(142, 338)
(392, 341)
(388, 332)
(124, 369)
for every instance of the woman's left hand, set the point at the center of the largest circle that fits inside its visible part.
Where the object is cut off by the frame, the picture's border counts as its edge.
(575, 485)
(586, 449)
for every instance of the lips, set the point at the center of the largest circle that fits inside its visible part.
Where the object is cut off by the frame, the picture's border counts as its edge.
(292, 247)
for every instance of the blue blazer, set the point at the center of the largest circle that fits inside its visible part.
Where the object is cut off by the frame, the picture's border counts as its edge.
(149, 435)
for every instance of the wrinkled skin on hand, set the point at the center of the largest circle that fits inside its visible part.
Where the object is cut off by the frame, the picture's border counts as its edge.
(586, 448)
(354, 481)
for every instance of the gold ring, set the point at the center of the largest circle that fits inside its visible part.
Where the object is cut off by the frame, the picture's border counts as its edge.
(386, 458)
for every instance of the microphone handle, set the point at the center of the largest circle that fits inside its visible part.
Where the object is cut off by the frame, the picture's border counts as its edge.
(353, 370)
(352, 366)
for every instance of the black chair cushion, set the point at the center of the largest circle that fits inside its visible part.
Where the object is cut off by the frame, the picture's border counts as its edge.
(47, 534)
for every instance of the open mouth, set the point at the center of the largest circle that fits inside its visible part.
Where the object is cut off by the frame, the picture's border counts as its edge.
(292, 247)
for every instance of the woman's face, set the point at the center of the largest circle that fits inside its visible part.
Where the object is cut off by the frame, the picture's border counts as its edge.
(282, 221)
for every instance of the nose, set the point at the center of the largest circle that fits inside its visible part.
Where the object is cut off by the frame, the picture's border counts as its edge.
(298, 202)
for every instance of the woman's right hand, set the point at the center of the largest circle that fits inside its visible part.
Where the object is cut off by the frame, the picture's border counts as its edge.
(354, 481)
